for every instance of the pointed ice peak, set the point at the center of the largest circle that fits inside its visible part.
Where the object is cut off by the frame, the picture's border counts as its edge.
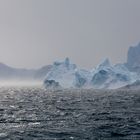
(65, 64)
(105, 63)
(67, 61)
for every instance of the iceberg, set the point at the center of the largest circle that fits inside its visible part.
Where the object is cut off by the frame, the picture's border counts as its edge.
(105, 76)
(108, 76)
(62, 73)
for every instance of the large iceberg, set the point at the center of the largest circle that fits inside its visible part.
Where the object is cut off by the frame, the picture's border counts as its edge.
(66, 75)
(111, 77)
(63, 73)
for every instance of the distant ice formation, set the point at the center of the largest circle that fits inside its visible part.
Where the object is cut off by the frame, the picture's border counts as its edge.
(67, 75)
(111, 77)
(63, 73)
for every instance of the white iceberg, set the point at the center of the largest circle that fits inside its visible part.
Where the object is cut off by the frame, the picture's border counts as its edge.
(104, 76)
(63, 73)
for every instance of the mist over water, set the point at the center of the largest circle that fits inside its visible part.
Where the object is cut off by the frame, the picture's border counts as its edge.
(20, 83)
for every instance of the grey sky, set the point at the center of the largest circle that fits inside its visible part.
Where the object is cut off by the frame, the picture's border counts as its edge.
(37, 32)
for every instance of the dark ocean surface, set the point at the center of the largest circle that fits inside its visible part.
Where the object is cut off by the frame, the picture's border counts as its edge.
(29, 113)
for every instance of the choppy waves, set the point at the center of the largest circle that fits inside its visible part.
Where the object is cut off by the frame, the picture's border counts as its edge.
(38, 114)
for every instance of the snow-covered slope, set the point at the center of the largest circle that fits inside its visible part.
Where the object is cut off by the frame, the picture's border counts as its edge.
(105, 75)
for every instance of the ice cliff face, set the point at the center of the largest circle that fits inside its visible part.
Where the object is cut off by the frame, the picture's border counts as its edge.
(133, 58)
(67, 75)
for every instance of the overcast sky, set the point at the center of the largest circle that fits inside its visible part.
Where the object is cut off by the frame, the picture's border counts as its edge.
(34, 33)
